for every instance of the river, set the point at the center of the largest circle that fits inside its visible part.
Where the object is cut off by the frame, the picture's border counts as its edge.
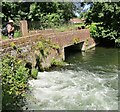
(88, 82)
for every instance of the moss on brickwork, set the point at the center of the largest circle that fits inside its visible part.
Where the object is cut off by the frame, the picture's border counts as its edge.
(76, 40)
(44, 49)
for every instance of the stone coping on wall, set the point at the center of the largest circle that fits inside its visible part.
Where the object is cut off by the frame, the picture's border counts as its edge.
(20, 40)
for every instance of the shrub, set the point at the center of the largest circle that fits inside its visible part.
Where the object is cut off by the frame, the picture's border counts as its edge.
(14, 81)
(93, 29)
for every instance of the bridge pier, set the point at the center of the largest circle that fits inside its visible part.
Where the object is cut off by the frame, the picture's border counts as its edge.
(62, 53)
(88, 44)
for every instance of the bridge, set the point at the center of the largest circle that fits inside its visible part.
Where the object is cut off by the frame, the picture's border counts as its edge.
(81, 38)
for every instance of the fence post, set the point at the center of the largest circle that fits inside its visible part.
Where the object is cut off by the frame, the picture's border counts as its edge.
(24, 27)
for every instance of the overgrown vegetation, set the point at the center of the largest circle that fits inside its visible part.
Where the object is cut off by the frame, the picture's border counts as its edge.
(76, 40)
(16, 71)
(106, 15)
(34, 73)
(44, 14)
(56, 62)
(15, 75)
(43, 48)
(14, 82)
(93, 29)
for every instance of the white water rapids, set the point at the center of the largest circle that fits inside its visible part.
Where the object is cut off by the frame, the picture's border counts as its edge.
(72, 90)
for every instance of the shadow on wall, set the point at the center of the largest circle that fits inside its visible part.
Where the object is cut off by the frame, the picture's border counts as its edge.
(73, 49)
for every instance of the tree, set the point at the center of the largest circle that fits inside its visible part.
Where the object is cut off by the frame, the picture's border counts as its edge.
(107, 15)
(37, 11)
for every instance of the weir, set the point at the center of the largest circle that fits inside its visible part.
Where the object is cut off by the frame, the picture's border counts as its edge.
(62, 39)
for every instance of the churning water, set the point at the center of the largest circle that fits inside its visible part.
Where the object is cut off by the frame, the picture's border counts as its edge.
(88, 82)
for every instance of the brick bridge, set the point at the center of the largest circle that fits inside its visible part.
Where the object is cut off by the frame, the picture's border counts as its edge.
(63, 39)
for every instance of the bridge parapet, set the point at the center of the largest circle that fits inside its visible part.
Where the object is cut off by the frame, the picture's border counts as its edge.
(63, 39)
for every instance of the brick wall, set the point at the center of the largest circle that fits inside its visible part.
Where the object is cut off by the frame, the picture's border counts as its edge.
(63, 39)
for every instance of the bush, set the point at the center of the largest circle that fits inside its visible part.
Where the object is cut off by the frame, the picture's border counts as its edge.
(93, 29)
(14, 81)
(52, 20)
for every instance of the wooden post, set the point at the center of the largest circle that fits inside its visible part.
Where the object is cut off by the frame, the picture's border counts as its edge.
(24, 27)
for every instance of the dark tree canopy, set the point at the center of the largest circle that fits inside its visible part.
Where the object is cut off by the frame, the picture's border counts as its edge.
(107, 15)
(36, 11)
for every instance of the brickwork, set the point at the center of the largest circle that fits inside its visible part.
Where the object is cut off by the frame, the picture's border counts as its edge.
(63, 39)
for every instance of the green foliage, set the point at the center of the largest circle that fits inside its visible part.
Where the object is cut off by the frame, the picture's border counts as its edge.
(14, 81)
(63, 28)
(51, 20)
(68, 27)
(83, 14)
(56, 62)
(44, 14)
(34, 73)
(43, 47)
(93, 29)
(16, 35)
(86, 42)
(76, 40)
(18, 49)
(40, 45)
(13, 45)
(107, 15)
(55, 46)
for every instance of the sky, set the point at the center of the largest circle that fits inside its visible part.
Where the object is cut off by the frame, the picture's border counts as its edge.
(87, 6)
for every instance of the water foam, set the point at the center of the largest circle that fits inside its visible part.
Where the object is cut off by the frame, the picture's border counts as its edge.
(72, 90)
